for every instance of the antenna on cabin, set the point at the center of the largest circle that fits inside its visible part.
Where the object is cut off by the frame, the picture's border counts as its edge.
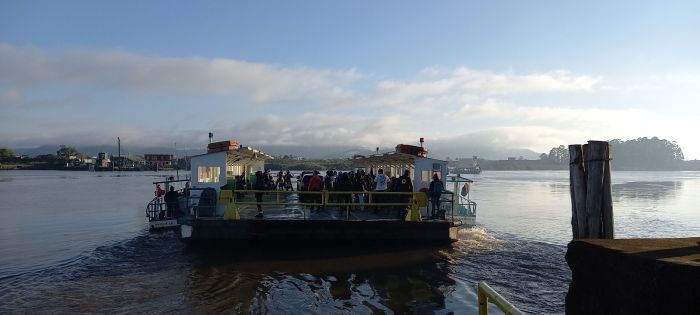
(421, 141)
(211, 135)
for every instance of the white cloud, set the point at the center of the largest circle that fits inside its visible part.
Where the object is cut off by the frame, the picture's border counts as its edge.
(130, 73)
(66, 94)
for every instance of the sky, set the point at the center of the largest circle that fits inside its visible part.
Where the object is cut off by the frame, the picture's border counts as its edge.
(511, 74)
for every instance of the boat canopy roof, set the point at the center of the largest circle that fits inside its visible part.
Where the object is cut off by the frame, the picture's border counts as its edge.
(392, 158)
(246, 153)
(242, 154)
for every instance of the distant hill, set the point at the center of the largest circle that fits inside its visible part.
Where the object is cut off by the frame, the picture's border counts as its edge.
(93, 150)
(437, 150)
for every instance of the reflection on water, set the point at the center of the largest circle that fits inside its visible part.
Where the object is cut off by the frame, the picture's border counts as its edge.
(647, 190)
(81, 246)
(158, 274)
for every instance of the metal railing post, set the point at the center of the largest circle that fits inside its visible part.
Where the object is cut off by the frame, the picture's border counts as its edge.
(486, 293)
(483, 302)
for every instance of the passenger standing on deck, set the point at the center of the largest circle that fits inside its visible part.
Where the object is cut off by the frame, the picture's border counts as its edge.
(259, 185)
(316, 185)
(287, 180)
(356, 182)
(159, 191)
(435, 192)
(171, 202)
(280, 180)
(382, 182)
(344, 184)
(329, 183)
(404, 184)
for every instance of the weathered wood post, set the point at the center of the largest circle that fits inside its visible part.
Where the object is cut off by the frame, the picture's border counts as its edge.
(608, 221)
(595, 167)
(577, 186)
(591, 194)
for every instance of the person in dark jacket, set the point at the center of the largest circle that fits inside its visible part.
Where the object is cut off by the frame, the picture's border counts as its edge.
(435, 191)
(260, 184)
(404, 184)
(171, 202)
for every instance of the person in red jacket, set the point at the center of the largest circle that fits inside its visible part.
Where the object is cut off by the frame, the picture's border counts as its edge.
(316, 184)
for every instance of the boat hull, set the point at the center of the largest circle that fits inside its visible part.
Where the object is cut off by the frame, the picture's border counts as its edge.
(320, 231)
(162, 224)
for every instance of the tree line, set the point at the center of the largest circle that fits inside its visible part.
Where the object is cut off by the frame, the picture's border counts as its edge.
(637, 154)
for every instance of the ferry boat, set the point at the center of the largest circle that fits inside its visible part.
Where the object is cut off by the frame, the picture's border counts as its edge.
(474, 169)
(222, 203)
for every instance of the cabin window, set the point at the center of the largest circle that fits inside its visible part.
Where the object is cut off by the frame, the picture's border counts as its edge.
(424, 179)
(234, 170)
(208, 174)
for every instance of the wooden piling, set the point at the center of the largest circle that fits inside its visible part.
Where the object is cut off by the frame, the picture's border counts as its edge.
(595, 167)
(577, 186)
(608, 222)
(591, 194)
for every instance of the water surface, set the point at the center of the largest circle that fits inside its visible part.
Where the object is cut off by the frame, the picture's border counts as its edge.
(77, 242)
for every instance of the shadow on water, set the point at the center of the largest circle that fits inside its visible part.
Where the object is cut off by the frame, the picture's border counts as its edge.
(157, 273)
(647, 190)
(319, 280)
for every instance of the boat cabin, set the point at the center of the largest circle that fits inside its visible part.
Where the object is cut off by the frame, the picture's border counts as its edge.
(216, 169)
(421, 168)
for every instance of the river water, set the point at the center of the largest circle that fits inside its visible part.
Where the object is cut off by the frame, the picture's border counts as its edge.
(77, 242)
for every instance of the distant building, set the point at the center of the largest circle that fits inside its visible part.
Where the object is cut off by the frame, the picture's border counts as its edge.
(511, 158)
(102, 161)
(159, 161)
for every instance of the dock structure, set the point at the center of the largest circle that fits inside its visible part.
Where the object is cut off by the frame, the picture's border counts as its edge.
(634, 276)
(622, 276)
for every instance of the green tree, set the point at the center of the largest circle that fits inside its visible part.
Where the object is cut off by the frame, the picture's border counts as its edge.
(558, 154)
(65, 151)
(7, 153)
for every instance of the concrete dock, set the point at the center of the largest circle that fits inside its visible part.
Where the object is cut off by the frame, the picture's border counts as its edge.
(634, 276)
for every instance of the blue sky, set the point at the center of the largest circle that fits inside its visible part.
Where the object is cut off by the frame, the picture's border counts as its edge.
(519, 74)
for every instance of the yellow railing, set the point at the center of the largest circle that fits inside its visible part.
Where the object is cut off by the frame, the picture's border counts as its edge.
(487, 294)
(414, 201)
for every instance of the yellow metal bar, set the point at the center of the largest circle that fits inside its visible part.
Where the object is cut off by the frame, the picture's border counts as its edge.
(483, 302)
(324, 200)
(487, 294)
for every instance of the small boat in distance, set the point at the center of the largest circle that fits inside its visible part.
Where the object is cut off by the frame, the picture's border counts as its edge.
(474, 169)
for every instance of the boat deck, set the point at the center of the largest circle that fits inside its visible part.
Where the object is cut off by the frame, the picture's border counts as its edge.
(295, 212)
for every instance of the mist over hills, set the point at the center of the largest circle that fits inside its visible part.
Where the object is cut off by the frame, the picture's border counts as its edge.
(437, 149)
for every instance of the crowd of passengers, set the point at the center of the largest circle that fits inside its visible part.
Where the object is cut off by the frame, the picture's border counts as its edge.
(358, 182)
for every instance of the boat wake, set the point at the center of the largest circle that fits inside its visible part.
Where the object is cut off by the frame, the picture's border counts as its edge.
(477, 239)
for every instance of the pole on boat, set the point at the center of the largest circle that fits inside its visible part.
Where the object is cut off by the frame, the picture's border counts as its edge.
(591, 193)
(177, 165)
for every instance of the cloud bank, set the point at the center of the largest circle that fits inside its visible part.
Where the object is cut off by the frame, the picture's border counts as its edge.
(91, 97)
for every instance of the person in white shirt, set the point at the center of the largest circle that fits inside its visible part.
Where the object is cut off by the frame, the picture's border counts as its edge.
(382, 182)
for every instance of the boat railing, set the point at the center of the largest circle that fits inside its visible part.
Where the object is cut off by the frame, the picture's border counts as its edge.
(156, 209)
(348, 199)
(486, 294)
